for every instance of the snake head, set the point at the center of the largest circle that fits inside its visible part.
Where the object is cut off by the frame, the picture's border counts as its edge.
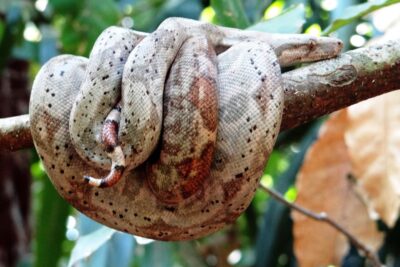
(292, 49)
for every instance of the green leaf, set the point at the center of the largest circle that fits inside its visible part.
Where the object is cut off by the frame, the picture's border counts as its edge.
(78, 33)
(51, 220)
(88, 244)
(119, 250)
(291, 20)
(158, 254)
(66, 7)
(230, 13)
(355, 12)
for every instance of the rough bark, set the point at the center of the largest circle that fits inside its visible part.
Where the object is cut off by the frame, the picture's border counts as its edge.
(327, 86)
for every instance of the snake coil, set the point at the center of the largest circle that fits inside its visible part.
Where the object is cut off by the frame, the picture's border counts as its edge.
(199, 110)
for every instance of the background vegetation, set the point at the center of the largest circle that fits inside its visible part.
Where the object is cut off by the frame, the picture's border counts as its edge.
(32, 32)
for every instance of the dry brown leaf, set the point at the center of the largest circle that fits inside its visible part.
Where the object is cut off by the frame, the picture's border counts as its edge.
(373, 139)
(323, 185)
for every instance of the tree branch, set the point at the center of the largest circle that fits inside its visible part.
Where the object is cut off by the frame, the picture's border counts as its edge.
(15, 133)
(310, 92)
(323, 217)
(330, 85)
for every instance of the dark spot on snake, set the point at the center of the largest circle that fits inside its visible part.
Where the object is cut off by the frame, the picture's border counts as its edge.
(243, 156)
(51, 75)
(110, 203)
(62, 73)
(271, 96)
(49, 105)
(73, 177)
(53, 166)
(61, 171)
(248, 119)
(53, 94)
(239, 175)
(248, 140)
(105, 77)
(169, 208)
(47, 90)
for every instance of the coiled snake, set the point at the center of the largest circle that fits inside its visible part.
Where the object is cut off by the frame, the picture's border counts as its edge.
(199, 111)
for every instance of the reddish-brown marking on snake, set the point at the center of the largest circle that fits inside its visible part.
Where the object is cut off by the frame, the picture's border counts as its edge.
(206, 107)
(109, 134)
(196, 171)
(232, 187)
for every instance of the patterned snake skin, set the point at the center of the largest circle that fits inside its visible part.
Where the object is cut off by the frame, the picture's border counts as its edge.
(201, 108)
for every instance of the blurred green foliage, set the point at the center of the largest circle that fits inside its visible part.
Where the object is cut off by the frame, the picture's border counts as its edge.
(39, 30)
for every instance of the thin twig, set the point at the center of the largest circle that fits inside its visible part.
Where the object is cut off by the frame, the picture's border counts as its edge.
(323, 217)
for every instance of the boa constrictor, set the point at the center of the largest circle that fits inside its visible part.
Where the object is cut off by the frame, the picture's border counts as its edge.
(201, 107)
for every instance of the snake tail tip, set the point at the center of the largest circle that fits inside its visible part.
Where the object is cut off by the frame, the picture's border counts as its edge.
(92, 181)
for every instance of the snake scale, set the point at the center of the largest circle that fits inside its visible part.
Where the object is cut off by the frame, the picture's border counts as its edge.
(194, 109)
